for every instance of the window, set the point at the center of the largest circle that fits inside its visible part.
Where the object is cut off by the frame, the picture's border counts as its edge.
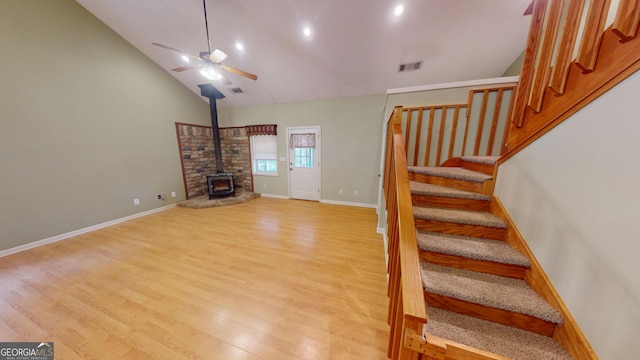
(264, 154)
(303, 157)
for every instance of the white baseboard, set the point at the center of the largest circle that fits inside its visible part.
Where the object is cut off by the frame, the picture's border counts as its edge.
(56, 238)
(324, 201)
(274, 196)
(347, 203)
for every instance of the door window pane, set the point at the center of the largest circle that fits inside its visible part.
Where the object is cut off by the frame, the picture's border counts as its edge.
(303, 157)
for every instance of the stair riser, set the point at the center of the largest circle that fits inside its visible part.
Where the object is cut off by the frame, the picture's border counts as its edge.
(480, 188)
(509, 318)
(478, 231)
(483, 168)
(450, 203)
(487, 267)
(479, 167)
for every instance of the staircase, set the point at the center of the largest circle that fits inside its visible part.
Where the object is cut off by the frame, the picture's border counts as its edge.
(450, 242)
(473, 279)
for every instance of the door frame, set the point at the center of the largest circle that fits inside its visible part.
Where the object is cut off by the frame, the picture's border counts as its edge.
(318, 153)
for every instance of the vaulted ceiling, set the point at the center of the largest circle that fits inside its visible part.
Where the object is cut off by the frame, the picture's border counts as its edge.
(355, 47)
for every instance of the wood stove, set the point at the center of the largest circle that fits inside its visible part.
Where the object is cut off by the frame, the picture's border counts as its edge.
(219, 185)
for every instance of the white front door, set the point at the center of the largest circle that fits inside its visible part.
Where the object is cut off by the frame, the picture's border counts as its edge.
(304, 163)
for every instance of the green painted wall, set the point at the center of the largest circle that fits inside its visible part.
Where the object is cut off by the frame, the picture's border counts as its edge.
(351, 138)
(86, 123)
(515, 67)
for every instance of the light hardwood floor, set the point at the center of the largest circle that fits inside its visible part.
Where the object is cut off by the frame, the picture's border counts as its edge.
(269, 279)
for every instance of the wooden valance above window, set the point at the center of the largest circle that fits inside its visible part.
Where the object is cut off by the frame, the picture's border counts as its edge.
(253, 130)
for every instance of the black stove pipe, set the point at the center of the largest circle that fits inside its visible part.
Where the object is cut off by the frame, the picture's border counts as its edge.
(207, 90)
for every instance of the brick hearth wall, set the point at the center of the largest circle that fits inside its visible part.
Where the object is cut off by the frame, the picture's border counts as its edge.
(198, 157)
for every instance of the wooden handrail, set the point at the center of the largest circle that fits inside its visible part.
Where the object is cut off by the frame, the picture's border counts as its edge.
(407, 315)
(543, 101)
(434, 134)
(413, 294)
(604, 60)
(407, 309)
(437, 348)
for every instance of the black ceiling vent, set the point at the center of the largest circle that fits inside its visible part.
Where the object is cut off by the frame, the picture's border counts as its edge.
(236, 90)
(410, 66)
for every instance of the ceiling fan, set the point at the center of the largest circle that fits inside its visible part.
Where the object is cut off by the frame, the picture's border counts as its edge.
(209, 62)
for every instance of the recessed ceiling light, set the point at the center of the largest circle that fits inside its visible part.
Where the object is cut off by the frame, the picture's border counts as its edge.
(239, 46)
(185, 58)
(307, 31)
(398, 10)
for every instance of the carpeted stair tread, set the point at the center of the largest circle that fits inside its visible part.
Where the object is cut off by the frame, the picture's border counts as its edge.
(471, 248)
(457, 173)
(459, 216)
(486, 160)
(488, 290)
(493, 337)
(420, 188)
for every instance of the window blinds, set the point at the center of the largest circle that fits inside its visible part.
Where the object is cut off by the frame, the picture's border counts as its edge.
(264, 147)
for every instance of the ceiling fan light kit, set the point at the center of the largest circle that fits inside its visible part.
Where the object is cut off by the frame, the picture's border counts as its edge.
(211, 73)
(208, 62)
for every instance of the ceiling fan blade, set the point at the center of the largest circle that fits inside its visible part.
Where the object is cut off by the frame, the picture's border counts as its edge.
(176, 50)
(217, 56)
(188, 67)
(240, 72)
(529, 10)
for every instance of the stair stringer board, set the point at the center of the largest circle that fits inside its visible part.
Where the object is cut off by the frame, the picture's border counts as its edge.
(569, 333)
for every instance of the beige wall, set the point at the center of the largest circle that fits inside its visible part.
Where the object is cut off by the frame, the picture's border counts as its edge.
(351, 131)
(86, 123)
(574, 195)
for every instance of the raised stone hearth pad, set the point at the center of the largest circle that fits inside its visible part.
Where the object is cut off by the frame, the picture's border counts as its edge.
(203, 202)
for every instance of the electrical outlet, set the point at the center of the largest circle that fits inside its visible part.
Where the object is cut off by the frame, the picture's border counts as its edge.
(136, 201)
(340, 192)
(160, 197)
(173, 194)
(355, 192)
